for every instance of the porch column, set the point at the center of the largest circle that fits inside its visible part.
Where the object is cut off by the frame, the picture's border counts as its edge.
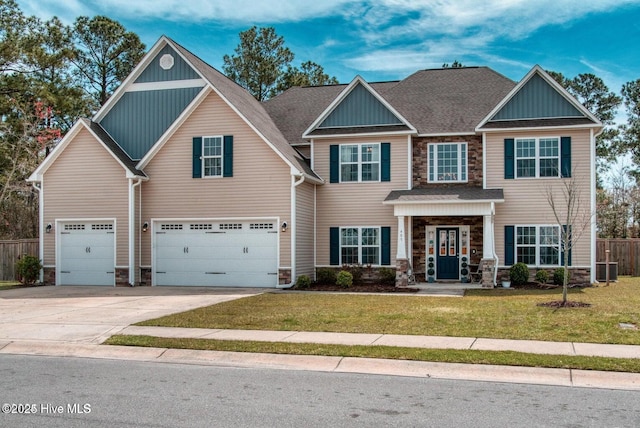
(487, 238)
(402, 246)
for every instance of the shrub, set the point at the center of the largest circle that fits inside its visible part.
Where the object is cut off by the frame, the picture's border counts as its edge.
(326, 276)
(344, 279)
(519, 274)
(28, 268)
(558, 276)
(303, 282)
(356, 271)
(542, 276)
(387, 276)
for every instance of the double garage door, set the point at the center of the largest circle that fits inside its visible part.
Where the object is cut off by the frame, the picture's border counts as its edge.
(86, 253)
(211, 253)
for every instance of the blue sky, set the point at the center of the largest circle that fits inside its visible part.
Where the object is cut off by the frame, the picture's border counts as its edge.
(390, 39)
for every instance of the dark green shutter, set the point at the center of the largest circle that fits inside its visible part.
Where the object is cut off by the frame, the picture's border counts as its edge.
(509, 245)
(227, 156)
(509, 158)
(565, 156)
(385, 156)
(564, 228)
(334, 246)
(334, 163)
(197, 155)
(385, 258)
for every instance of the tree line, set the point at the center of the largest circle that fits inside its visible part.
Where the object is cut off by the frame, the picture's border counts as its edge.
(52, 74)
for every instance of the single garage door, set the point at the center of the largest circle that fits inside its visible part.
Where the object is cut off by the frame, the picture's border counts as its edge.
(222, 254)
(87, 255)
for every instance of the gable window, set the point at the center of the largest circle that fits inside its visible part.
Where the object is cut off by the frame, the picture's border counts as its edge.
(448, 162)
(212, 156)
(359, 162)
(360, 245)
(538, 245)
(537, 157)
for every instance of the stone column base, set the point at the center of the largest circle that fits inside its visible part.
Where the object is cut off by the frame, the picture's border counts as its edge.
(488, 267)
(402, 272)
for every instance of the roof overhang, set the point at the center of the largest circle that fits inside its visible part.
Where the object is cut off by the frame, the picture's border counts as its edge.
(448, 201)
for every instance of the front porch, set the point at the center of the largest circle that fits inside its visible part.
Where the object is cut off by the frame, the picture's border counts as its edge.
(446, 235)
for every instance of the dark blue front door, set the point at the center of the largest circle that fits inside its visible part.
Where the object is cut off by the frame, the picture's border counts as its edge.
(447, 262)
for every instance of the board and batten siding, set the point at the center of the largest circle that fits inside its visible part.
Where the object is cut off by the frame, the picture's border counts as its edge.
(260, 186)
(526, 198)
(304, 230)
(86, 182)
(357, 204)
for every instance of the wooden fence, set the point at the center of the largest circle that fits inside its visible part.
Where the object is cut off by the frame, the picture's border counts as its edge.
(625, 252)
(9, 253)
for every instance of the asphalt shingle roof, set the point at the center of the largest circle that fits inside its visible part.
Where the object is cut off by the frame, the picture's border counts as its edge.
(448, 194)
(104, 136)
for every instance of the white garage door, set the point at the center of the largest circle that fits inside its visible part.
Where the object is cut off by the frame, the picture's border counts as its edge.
(223, 254)
(86, 254)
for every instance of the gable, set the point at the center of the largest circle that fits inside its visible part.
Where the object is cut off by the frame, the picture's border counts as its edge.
(140, 118)
(167, 65)
(360, 108)
(537, 99)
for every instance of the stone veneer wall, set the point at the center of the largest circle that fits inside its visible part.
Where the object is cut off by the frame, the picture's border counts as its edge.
(419, 249)
(474, 159)
(284, 276)
(49, 276)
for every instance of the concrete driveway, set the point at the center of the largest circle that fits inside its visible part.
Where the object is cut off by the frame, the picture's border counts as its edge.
(74, 314)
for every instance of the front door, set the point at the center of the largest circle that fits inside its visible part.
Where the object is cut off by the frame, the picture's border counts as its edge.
(447, 262)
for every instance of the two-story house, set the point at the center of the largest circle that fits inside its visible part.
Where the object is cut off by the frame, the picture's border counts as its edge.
(183, 178)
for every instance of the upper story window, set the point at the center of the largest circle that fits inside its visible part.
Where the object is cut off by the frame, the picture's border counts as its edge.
(448, 162)
(537, 157)
(212, 156)
(360, 162)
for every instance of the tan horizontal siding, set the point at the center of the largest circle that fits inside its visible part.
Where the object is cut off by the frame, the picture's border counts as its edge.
(260, 186)
(526, 199)
(86, 182)
(304, 230)
(357, 204)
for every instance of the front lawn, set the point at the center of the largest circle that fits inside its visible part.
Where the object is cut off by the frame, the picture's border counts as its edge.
(498, 313)
(5, 285)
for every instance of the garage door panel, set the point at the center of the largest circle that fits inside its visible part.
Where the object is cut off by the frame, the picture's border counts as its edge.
(87, 254)
(205, 253)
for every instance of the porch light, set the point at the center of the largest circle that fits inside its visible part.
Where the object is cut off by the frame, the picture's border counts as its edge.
(48, 228)
(145, 226)
(284, 226)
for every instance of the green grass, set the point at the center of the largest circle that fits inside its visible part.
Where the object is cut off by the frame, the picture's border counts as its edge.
(497, 313)
(5, 285)
(434, 355)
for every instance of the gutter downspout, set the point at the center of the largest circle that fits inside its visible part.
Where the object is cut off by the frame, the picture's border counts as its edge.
(292, 229)
(132, 231)
(40, 227)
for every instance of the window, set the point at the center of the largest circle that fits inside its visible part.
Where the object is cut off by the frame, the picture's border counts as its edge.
(212, 156)
(448, 162)
(538, 245)
(360, 162)
(537, 157)
(360, 245)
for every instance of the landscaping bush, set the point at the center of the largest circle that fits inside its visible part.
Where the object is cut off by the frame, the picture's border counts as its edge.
(344, 279)
(558, 276)
(356, 271)
(387, 276)
(542, 276)
(303, 282)
(28, 268)
(519, 274)
(326, 276)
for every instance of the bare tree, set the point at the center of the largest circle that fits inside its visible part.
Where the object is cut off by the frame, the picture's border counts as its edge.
(572, 216)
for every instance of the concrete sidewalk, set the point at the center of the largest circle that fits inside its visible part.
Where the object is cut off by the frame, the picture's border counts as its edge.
(407, 341)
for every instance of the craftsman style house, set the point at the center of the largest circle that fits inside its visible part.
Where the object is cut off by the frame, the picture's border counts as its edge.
(183, 178)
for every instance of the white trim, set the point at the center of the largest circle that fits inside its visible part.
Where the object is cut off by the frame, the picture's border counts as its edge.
(361, 134)
(360, 246)
(168, 84)
(349, 88)
(132, 229)
(537, 128)
(448, 209)
(409, 163)
(41, 230)
(555, 85)
(57, 246)
(536, 158)
(459, 166)
(537, 244)
(359, 162)
(593, 206)
(484, 160)
(203, 157)
(449, 134)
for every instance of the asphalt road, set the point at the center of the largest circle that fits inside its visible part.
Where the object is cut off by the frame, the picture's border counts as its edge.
(80, 392)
